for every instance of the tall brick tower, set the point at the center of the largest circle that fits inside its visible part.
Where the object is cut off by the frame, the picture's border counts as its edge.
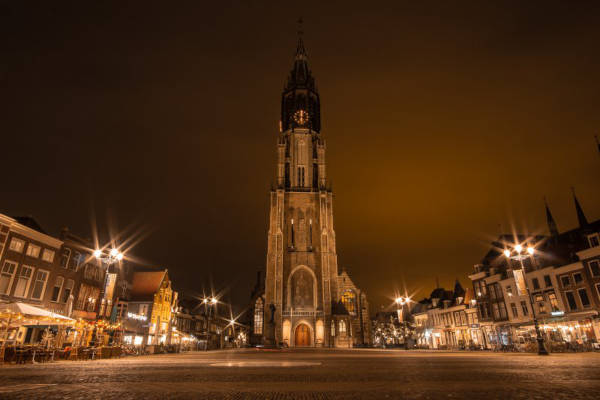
(302, 272)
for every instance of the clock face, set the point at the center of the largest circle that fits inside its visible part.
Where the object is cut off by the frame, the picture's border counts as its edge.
(301, 117)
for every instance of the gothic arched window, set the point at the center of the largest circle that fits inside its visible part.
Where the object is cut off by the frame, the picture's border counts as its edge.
(349, 301)
(259, 310)
(342, 327)
(332, 328)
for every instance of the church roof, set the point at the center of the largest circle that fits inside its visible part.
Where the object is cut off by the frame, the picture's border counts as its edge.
(338, 308)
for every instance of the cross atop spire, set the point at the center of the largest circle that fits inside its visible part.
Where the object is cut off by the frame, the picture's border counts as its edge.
(550, 220)
(583, 222)
(300, 50)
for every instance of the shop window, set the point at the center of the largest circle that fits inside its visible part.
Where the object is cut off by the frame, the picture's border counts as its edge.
(547, 281)
(39, 286)
(6, 276)
(23, 281)
(571, 300)
(595, 268)
(583, 296)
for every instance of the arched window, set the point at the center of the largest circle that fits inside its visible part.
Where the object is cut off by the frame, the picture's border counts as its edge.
(349, 301)
(342, 327)
(332, 328)
(258, 316)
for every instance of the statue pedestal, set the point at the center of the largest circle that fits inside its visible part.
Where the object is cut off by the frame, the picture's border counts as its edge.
(269, 338)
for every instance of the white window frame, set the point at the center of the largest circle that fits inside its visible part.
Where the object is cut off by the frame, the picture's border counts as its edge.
(28, 284)
(66, 249)
(66, 286)
(43, 292)
(62, 284)
(48, 251)
(31, 246)
(590, 267)
(12, 276)
(17, 240)
(589, 305)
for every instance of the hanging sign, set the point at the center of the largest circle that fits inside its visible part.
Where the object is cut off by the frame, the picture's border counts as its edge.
(520, 282)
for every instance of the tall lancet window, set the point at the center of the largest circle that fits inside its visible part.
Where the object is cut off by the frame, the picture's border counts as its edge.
(301, 175)
(292, 238)
(259, 310)
(310, 233)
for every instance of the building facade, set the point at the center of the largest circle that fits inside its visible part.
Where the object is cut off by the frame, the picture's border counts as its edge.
(302, 283)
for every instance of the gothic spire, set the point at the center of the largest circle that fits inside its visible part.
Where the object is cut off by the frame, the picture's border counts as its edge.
(300, 50)
(550, 220)
(583, 222)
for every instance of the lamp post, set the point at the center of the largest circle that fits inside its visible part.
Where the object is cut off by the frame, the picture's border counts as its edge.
(208, 303)
(517, 254)
(400, 302)
(113, 256)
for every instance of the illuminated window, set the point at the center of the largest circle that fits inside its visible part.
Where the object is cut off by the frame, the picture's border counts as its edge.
(332, 328)
(342, 327)
(23, 281)
(553, 301)
(48, 255)
(300, 176)
(17, 245)
(6, 276)
(258, 316)
(349, 301)
(33, 250)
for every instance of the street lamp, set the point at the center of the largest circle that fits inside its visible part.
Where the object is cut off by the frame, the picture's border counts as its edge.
(518, 256)
(113, 256)
(400, 302)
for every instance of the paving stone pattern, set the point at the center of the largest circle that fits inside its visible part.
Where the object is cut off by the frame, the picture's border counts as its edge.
(311, 374)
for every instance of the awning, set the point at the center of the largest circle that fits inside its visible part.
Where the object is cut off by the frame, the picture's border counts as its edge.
(30, 311)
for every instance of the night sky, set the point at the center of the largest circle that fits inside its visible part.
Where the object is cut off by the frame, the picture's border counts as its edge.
(442, 120)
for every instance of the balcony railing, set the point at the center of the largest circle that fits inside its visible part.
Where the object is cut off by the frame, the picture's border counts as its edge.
(299, 313)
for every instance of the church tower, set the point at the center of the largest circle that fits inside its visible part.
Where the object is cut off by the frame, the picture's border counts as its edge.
(301, 272)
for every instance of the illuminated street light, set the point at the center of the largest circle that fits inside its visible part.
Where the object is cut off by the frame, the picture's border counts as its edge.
(530, 250)
(213, 300)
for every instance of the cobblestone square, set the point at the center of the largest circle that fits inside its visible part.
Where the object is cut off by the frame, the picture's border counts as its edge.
(311, 374)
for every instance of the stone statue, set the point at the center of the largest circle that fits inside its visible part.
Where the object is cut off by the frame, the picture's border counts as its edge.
(272, 307)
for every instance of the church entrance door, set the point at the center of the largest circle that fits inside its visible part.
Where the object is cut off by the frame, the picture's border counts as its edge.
(302, 337)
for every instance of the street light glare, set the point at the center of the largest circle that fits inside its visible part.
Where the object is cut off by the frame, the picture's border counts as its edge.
(114, 252)
(120, 256)
(507, 253)
(97, 253)
(214, 300)
(519, 248)
(530, 250)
